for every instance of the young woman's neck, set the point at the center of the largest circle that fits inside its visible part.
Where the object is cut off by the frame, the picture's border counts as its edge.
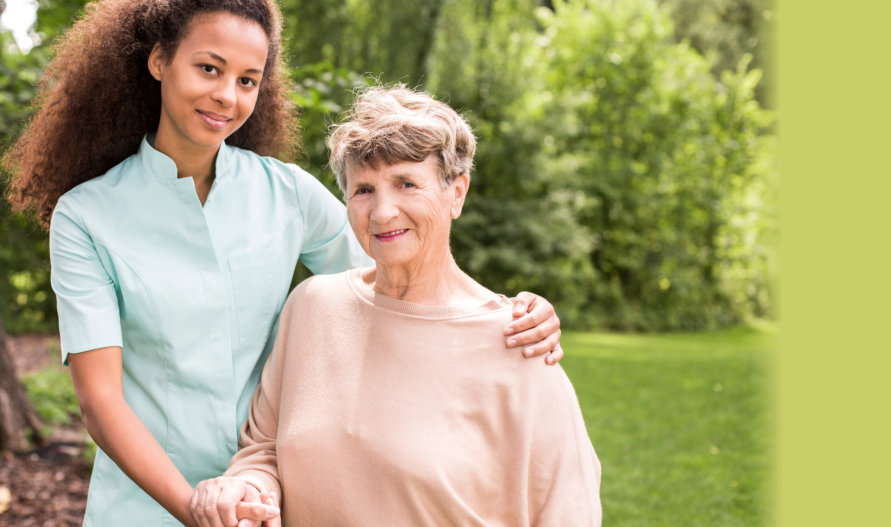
(196, 163)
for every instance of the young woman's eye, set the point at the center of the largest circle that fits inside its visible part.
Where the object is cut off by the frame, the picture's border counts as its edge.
(247, 81)
(207, 68)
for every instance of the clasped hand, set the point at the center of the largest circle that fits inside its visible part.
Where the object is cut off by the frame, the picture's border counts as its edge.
(232, 502)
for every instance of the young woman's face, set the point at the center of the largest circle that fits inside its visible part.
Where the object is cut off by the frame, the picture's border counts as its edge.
(209, 87)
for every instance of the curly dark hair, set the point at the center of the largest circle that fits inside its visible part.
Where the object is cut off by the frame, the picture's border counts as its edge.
(97, 98)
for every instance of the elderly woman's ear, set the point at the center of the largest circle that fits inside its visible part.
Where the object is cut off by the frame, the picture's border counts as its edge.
(459, 186)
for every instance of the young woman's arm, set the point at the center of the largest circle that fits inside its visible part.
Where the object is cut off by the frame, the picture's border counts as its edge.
(121, 434)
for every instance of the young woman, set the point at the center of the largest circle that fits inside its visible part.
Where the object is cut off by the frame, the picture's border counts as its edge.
(174, 240)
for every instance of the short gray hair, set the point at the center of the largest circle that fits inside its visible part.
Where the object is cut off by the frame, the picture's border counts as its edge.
(397, 124)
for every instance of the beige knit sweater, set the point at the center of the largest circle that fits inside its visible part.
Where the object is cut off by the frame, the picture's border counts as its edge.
(374, 411)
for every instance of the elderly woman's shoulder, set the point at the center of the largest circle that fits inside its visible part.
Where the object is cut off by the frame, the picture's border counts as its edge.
(321, 290)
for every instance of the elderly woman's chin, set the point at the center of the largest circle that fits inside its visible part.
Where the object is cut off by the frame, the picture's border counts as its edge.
(393, 246)
(402, 213)
(409, 252)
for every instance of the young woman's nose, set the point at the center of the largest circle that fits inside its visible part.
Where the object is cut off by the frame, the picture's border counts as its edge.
(224, 92)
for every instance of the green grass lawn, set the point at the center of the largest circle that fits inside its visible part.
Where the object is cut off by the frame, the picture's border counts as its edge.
(681, 424)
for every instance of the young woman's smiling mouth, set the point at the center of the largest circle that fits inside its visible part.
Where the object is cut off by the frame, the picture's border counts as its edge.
(214, 120)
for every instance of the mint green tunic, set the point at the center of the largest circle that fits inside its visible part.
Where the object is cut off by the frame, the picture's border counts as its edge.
(191, 294)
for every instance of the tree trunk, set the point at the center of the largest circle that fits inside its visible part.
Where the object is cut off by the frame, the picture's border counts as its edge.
(17, 415)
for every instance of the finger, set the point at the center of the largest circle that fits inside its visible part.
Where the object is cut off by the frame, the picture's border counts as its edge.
(544, 346)
(275, 522)
(269, 498)
(522, 322)
(252, 495)
(230, 495)
(523, 302)
(540, 310)
(257, 512)
(211, 507)
(555, 356)
(272, 499)
(536, 334)
(198, 499)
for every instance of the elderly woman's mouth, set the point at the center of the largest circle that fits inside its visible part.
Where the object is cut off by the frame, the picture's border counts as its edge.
(390, 235)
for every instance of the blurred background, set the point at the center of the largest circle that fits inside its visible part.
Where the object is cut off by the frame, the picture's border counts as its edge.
(625, 171)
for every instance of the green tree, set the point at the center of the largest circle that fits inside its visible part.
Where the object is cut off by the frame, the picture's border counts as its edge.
(55, 16)
(617, 173)
(725, 31)
(26, 298)
(620, 172)
(671, 161)
(518, 230)
(388, 39)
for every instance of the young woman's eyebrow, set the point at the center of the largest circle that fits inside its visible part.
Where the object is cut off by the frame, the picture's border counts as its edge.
(223, 61)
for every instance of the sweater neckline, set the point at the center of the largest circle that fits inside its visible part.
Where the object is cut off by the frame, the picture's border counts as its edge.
(354, 279)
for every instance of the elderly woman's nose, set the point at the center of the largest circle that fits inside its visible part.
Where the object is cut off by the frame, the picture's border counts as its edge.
(384, 208)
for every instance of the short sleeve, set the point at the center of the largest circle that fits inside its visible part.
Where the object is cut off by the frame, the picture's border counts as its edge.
(86, 301)
(329, 245)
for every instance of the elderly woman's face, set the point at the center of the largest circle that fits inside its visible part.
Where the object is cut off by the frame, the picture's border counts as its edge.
(400, 213)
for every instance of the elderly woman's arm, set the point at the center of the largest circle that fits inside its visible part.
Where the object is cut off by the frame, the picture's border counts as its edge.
(564, 471)
(250, 488)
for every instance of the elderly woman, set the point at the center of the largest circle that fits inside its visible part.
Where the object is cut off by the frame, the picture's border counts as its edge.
(417, 413)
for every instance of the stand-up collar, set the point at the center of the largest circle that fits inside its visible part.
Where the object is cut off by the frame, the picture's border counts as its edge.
(160, 165)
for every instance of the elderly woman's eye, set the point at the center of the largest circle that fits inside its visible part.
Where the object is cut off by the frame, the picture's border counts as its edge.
(363, 190)
(408, 184)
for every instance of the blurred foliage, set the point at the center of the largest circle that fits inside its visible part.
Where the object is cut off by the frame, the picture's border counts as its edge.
(726, 30)
(518, 231)
(670, 162)
(55, 16)
(624, 167)
(51, 392)
(321, 92)
(384, 37)
(26, 299)
(620, 173)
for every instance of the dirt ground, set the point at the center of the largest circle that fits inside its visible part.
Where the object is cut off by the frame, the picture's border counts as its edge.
(46, 487)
